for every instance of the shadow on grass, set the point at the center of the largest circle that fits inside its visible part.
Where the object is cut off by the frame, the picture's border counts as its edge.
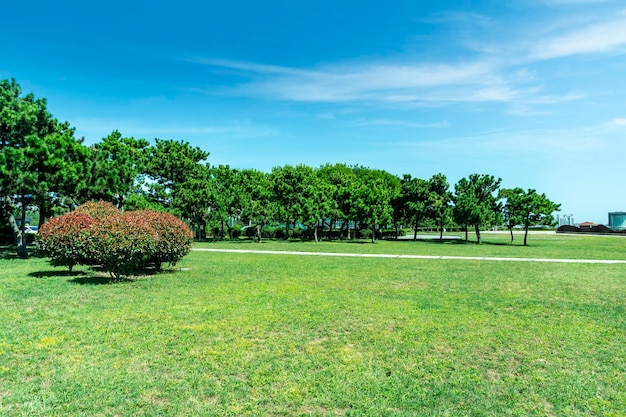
(102, 277)
(10, 252)
(52, 274)
(100, 280)
(422, 240)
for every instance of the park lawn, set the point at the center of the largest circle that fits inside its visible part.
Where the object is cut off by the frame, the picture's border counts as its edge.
(551, 246)
(251, 334)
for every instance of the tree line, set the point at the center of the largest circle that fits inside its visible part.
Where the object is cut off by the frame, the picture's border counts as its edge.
(44, 167)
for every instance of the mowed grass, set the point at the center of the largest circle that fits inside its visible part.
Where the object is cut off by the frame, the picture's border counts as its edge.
(551, 246)
(251, 334)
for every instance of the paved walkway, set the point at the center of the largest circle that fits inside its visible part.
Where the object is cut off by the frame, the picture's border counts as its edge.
(381, 255)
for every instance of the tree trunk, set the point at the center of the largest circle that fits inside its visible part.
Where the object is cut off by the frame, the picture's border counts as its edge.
(477, 229)
(22, 251)
(373, 228)
(525, 234)
(441, 228)
(259, 231)
(315, 233)
(286, 230)
(43, 212)
(511, 230)
(330, 229)
(466, 230)
(415, 229)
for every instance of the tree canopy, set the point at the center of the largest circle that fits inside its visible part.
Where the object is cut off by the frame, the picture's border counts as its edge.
(43, 167)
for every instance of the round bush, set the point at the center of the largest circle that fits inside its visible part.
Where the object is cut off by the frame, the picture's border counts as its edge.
(120, 242)
(123, 243)
(174, 238)
(67, 238)
(98, 210)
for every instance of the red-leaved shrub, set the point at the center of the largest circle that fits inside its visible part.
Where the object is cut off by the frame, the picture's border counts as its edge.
(120, 242)
(98, 210)
(67, 238)
(174, 237)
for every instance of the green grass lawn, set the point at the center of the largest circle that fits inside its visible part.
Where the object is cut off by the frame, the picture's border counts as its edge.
(494, 245)
(249, 334)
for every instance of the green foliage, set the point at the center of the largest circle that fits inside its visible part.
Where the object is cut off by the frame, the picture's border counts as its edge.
(37, 155)
(257, 203)
(42, 166)
(226, 198)
(527, 208)
(476, 201)
(115, 166)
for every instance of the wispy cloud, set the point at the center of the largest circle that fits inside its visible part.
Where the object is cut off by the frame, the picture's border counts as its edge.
(569, 2)
(390, 83)
(608, 36)
(399, 123)
(96, 128)
(497, 72)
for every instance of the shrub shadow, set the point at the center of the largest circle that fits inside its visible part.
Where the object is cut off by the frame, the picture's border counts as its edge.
(52, 274)
(102, 277)
(99, 280)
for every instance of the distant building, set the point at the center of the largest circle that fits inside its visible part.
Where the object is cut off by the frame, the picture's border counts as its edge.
(617, 220)
(587, 225)
(565, 219)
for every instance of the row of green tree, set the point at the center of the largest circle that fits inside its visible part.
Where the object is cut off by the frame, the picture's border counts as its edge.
(43, 166)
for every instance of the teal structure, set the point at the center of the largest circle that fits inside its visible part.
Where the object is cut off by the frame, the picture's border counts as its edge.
(617, 220)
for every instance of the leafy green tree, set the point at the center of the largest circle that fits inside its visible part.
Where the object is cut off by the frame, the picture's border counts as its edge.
(439, 199)
(290, 187)
(257, 200)
(475, 202)
(180, 179)
(512, 208)
(415, 193)
(226, 196)
(338, 179)
(193, 199)
(317, 204)
(115, 167)
(26, 165)
(527, 208)
(62, 169)
(372, 193)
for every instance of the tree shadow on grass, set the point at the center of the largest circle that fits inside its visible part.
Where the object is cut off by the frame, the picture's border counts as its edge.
(10, 252)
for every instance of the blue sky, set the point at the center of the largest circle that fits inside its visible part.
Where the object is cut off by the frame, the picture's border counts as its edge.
(532, 91)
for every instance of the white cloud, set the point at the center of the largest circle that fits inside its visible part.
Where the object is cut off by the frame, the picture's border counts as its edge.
(619, 121)
(477, 81)
(607, 36)
(568, 2)
(96, 128)
(399, 123)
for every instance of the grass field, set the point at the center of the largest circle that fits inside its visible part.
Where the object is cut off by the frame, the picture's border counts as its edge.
(248, 334)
